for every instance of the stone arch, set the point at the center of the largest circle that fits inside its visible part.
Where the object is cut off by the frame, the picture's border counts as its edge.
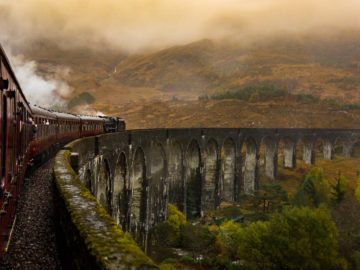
(138, 208)
(355, 149)
(228, 160)
(328, 149)
(339, 147)
(103, 193)
(287, 152)
(193, 180)
(176, 183)
(323, 149)
(305, 149)
(88, 180)
(157, 184)
(268, 150)
(319, 149)
(120, 191)
(250, 165)
(211, 175)
(299, 148)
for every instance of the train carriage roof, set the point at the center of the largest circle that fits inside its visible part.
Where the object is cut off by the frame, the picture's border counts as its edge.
(66, 116)
(91, 118)
(38, 111)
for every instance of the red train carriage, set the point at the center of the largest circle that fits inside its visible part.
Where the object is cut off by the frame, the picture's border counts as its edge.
(45, 131)
(15, 135)
(68, 127)
(91, 125)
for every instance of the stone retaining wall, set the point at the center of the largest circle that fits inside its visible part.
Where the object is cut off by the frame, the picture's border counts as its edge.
(91, 238)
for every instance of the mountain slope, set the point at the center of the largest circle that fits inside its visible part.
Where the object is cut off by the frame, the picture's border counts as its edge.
(325, 66)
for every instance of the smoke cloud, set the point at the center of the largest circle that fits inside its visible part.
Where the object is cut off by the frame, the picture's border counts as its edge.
(87, 110)
(42, 90)
(136, 25)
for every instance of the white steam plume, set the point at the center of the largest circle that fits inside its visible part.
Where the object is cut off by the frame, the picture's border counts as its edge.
(47, 90)
(87, 110)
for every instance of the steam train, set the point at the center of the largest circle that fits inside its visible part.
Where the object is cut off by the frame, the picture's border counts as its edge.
(29, 134)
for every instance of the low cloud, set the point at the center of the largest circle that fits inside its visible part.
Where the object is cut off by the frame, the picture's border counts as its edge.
(137, 25)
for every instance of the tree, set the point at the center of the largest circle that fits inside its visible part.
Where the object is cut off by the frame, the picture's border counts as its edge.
(357, 190)
(228, 239)
(339, 189)
(346, 215)
(270, 198)
(298, 238)
(314, 190)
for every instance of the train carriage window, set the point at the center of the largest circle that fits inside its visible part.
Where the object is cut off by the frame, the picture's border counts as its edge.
(37, 135)
(11, 136)
(2, 143)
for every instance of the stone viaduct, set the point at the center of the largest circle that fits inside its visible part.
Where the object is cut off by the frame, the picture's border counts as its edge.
(135, 174)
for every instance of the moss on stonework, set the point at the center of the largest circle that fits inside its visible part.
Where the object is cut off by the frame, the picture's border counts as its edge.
(104, 240)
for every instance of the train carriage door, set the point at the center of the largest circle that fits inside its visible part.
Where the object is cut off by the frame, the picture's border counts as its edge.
(11, 134)
(20, 127)
(3, 140)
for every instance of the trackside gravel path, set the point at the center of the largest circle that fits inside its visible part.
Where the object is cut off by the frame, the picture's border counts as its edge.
(33, 244)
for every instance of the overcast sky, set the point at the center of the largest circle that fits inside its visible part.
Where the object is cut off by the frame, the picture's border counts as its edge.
(136, 25)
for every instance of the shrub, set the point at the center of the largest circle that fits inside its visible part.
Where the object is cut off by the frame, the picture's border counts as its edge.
(357, 190)
(252, 93)
(168, 232)
(330, 102)
(356, 259)
(298, 238)
(203, 97)
(350, 106)
(307, 99)
(198, 239)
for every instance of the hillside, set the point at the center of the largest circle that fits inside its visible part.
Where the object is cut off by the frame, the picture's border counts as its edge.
(161, 88)
(328, 67)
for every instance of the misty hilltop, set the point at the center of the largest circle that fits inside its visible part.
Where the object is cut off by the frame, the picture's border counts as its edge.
(323, 66)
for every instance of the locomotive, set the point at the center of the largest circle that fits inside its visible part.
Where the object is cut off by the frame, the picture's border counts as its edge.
(30, 134)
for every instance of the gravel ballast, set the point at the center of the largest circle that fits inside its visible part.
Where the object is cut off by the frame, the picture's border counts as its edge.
(33, 243)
